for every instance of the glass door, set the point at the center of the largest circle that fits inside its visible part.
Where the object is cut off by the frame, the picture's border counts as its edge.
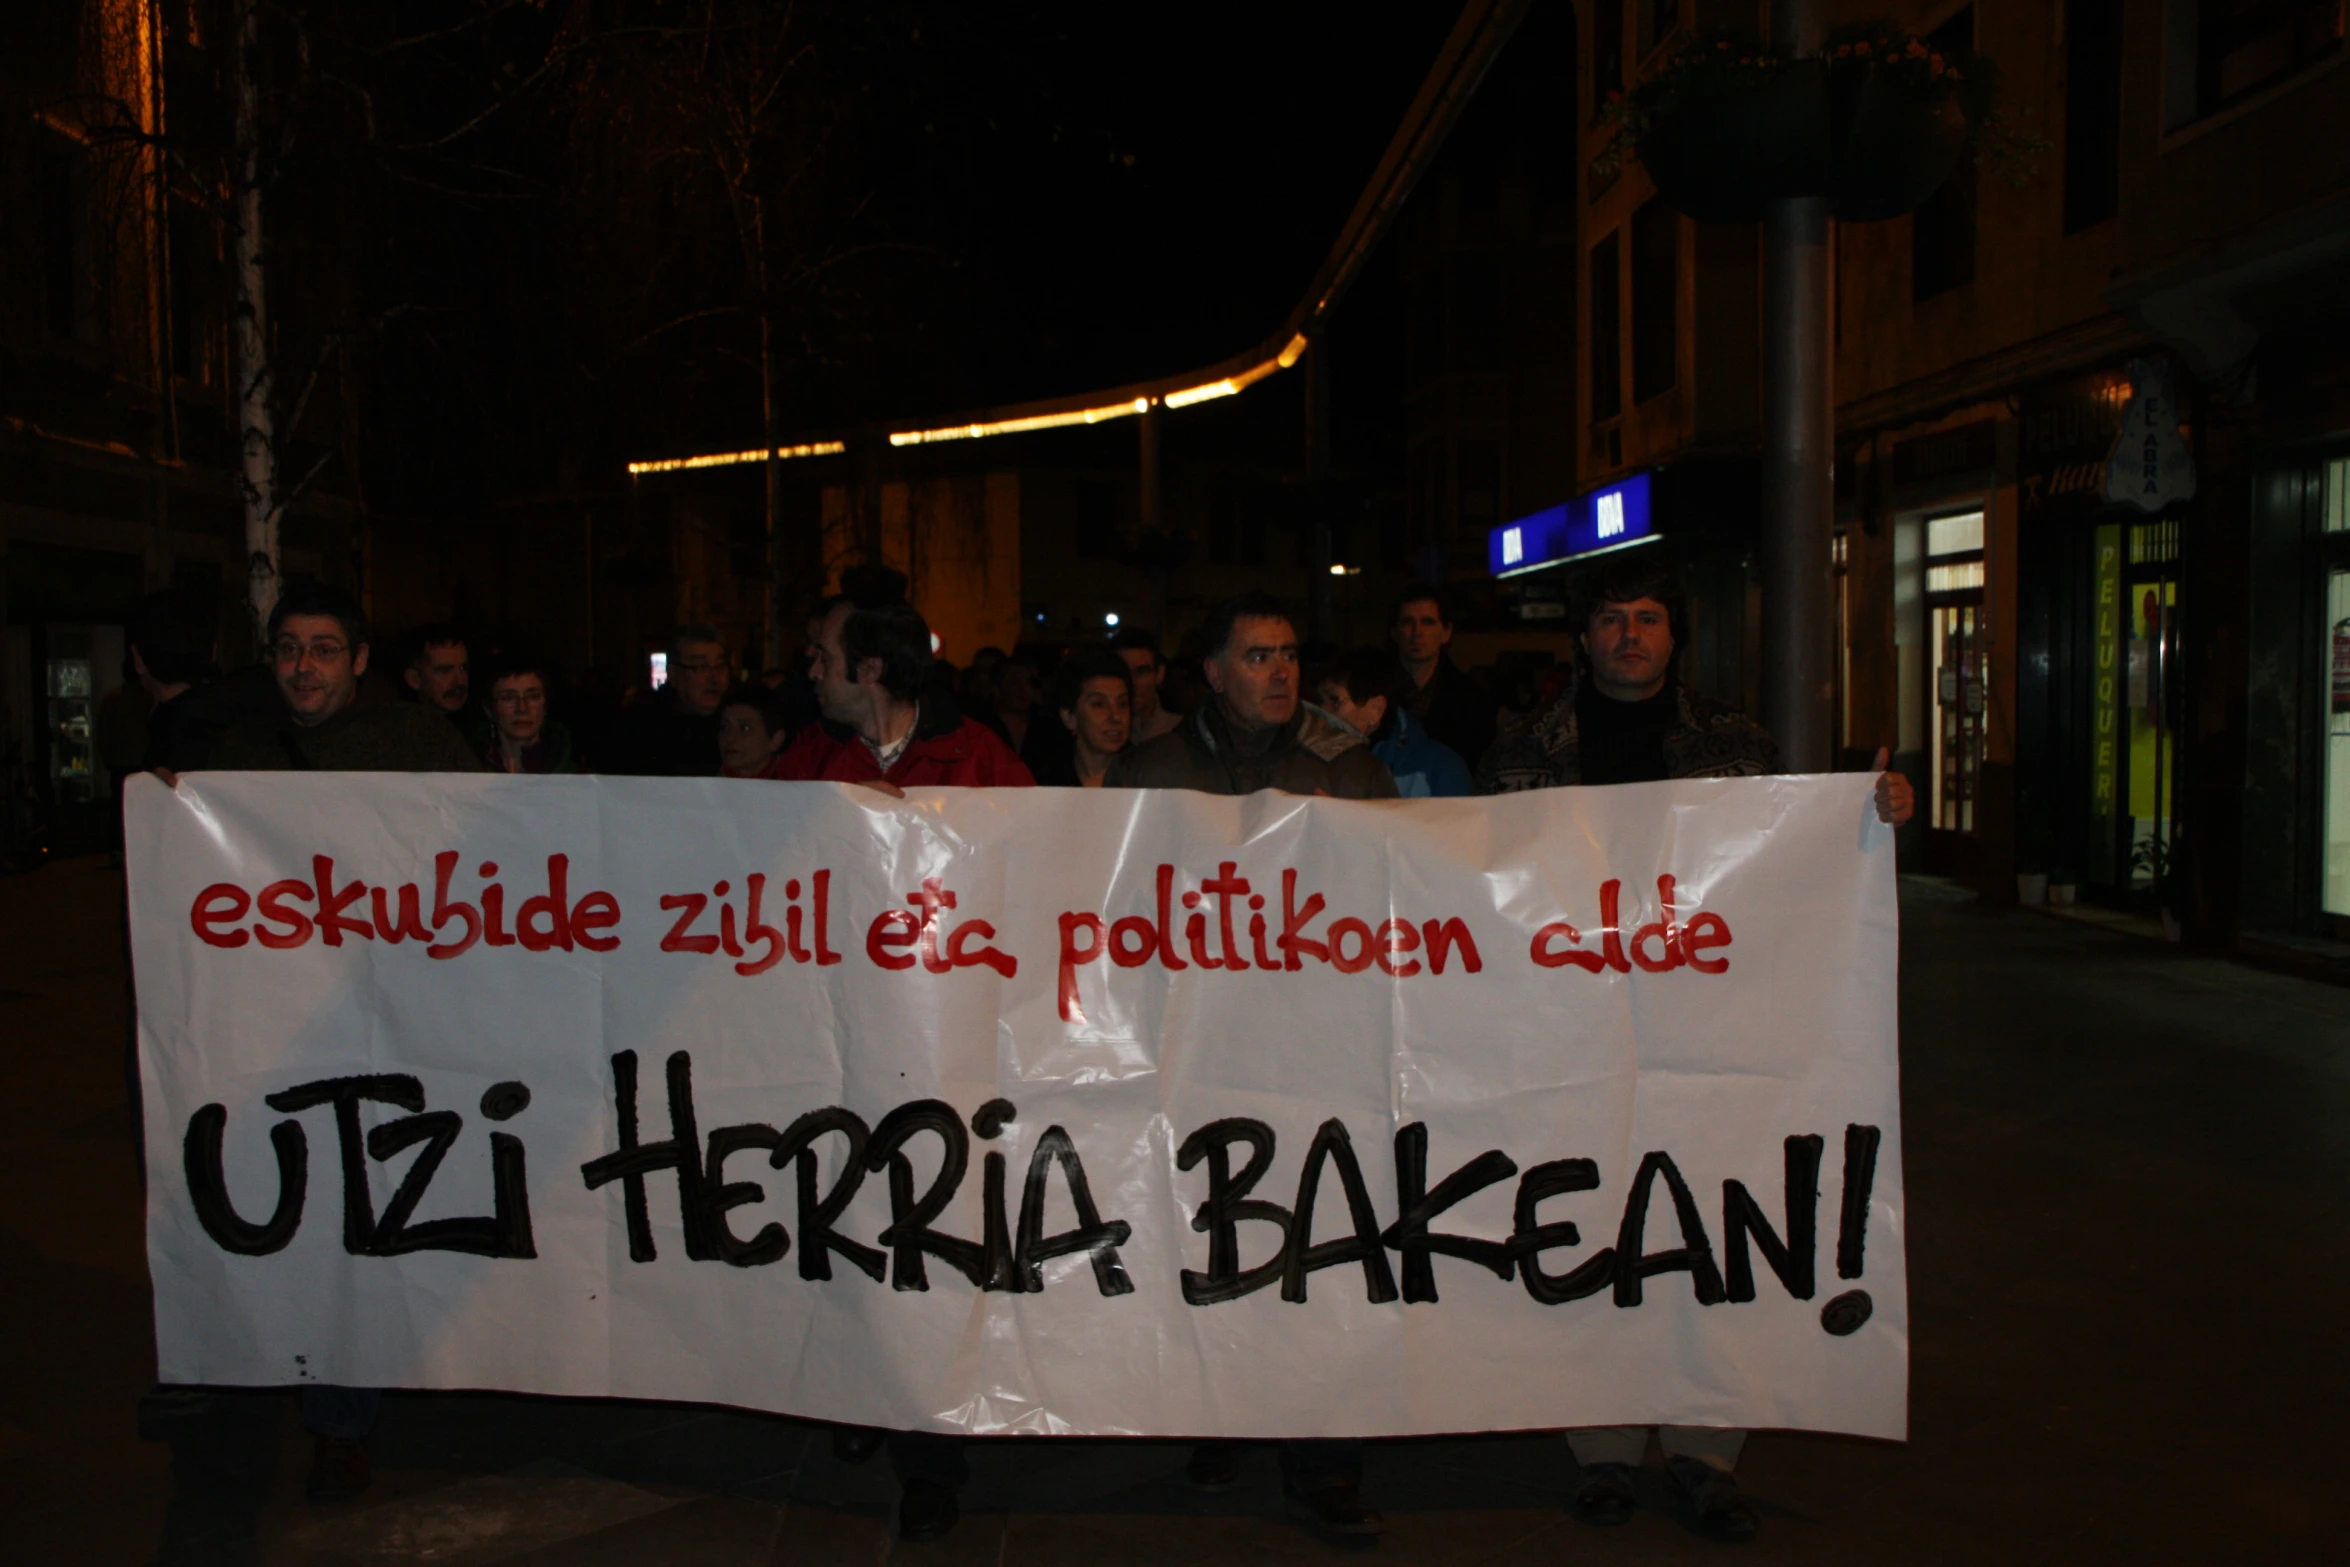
(1954, 623)
(2150, 662)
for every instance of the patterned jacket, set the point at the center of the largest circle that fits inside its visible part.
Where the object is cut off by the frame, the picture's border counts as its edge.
(1311, 754)
(1711, 740)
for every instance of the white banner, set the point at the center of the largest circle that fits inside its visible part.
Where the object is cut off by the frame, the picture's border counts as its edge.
(1057, 1111)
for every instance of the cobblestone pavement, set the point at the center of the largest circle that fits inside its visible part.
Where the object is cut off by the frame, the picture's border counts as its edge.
(2128, 1171)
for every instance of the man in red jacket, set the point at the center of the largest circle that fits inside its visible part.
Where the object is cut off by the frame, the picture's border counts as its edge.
(878, 729)
(867, 665)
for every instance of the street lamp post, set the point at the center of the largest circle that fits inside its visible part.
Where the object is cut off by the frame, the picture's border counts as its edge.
(1798, 459)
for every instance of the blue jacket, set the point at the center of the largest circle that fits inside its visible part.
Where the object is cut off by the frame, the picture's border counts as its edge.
(1424, 766)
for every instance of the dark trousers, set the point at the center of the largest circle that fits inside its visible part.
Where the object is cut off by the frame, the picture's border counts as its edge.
(1320, 1464)
(926, 1455)
(345, 1412)
(1315, 1465)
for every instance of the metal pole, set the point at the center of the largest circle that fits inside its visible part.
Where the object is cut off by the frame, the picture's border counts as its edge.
(1799, 433)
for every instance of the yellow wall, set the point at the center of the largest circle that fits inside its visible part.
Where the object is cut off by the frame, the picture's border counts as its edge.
(958, 542)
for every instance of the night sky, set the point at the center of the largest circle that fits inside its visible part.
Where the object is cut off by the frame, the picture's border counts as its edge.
(981, 204)
(1219, 156)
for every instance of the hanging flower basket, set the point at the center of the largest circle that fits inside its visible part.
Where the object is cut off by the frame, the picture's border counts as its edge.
(1876, 122)
(1894, 145)
(1722, 155)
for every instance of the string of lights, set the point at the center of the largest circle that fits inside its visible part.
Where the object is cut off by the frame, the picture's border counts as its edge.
(1484, 26)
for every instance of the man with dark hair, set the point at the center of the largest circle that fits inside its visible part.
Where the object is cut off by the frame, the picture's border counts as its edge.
(318, 651)
(673, 732)
(172, 635)
(1254, 732)
(1445, 702)
(1364, 691)
(1626, 719)
(440, 673)
(1140, 649)
(882, 727)
(869, 664)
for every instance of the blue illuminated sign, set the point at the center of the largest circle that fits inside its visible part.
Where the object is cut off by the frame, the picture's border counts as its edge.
(1613, 517)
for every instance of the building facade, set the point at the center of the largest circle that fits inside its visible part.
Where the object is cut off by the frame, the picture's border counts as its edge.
(2093, 406)
(2090, 431)
(118, 441)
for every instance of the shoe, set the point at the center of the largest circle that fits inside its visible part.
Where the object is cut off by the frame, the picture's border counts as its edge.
(1214, 1466)
(855, 1444)
(1713, 1493)
(338, 1470)
(926, 1510)
(1336, 1508)
(1605, 1496)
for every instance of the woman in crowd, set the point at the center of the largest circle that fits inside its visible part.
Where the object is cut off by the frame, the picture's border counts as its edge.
(753, 728)
(1094, 696)
(522, 736)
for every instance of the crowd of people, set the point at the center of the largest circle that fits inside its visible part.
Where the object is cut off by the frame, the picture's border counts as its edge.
(874, 706)
(1065, 715)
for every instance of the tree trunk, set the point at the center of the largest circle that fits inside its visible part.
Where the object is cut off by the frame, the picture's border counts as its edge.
(778, 637)
(257, 479)
(155, 179)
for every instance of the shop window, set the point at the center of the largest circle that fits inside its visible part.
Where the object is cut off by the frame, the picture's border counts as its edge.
(2092, 112)
(1607, 329)
(1958, 665)
(1942, 230)
(2221, 52)
(2336, 654)
(1656, 299)
(1954, 550)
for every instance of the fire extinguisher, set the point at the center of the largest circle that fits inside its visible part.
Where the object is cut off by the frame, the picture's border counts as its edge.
(2341, 703)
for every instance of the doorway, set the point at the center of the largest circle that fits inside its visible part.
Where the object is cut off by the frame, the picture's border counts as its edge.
(2134, 787)
(1958, 677)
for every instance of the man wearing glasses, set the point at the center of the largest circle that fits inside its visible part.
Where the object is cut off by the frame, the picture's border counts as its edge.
(318, 651)
(673, 732)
